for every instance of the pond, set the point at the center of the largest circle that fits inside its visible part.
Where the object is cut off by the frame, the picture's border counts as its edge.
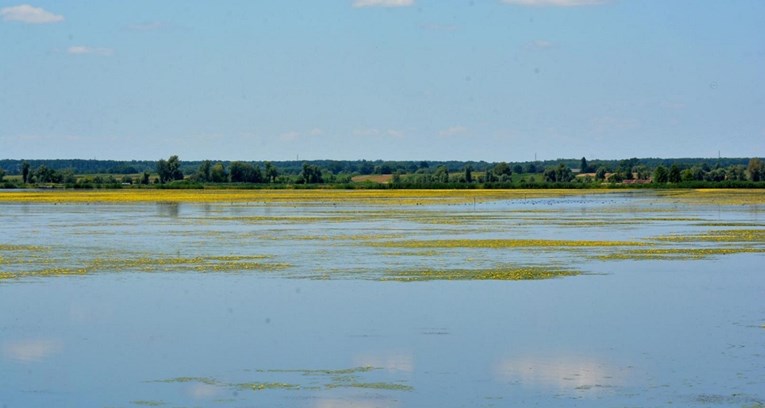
(542, 299)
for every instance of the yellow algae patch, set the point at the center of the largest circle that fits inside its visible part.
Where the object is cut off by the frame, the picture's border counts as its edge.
(730, 235)
(498, 273)
(717, 196)
(230, 263)
(503, 243)
(260, 386)
(675, 253)
(9, 247)
(405, 197)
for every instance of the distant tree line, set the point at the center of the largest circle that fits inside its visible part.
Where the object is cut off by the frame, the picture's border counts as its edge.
(174, 173)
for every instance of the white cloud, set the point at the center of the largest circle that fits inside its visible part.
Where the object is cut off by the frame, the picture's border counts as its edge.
(383, 3)
(453, 131)
(85, 50)
(555, 3)
(27, 14)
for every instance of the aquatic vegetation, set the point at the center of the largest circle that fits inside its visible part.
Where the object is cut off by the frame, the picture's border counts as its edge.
(148, 403)
(497, 273)
(674, 253)
(156, 264)
(320, 379)
(203, 380)
(728, 235)
(258, 386)
(504, 243)
(367, 197)
(373, 386)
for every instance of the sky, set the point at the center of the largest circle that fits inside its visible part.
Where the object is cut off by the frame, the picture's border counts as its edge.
(494, 80)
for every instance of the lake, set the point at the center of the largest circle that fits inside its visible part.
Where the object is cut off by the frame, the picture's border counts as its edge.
(383, 299)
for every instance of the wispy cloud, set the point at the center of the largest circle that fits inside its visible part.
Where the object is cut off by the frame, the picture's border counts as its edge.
(555, 3)
(85, 50)
(540, 45)
(147, 26)
(453, 131)
(376, 133)
(439, 27)
(31, 15)
(382, 3)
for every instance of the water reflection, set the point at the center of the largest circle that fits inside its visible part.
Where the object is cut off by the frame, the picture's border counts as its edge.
(29, 351)
(389, 361)
(170, 210)
(355, 403)
(563, 373)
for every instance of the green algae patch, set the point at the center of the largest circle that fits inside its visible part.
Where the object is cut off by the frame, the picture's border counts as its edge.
(504, 243)
(728, 235)
(26, 268)
(372, 386)
(679, 254)
(202, 380)
(148, 403)
(508, 273)
(261, 386)
(343, 371)
(317, 379)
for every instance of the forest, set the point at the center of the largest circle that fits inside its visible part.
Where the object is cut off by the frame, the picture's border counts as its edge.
(561, 173)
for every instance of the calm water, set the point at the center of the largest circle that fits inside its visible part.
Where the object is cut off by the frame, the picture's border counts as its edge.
(312, 320)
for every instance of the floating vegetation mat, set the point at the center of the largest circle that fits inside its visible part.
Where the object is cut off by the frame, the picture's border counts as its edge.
(675, 253)
(716, 196)
(498, 273)
(296, 379)
(504, 243)
(728, 235)
(20, 267)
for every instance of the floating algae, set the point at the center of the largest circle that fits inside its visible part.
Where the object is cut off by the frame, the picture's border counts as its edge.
(320, 379)
(497, 273)
(674, 253)
(504, 243)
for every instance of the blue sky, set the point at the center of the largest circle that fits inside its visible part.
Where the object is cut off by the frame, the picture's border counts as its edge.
(382, 79)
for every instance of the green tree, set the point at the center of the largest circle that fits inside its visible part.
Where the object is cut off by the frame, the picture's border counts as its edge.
(205, 171)
(145, 178)
(25, 169)
(674, 174)
(660, 175)
(517, 169)
(442, 174)
(163, 171)
(2, 174)
(468, 174)
(502, 168)
(169, 170)
(271, 172)
(311, 174)
(583, 166)
(601, 173)
(241, 172)
(755, 169)
(218, 173)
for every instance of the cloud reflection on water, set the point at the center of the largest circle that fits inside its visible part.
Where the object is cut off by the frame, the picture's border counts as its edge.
(29, 351)
(565, 373)
(389, 361)
(355, 403)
